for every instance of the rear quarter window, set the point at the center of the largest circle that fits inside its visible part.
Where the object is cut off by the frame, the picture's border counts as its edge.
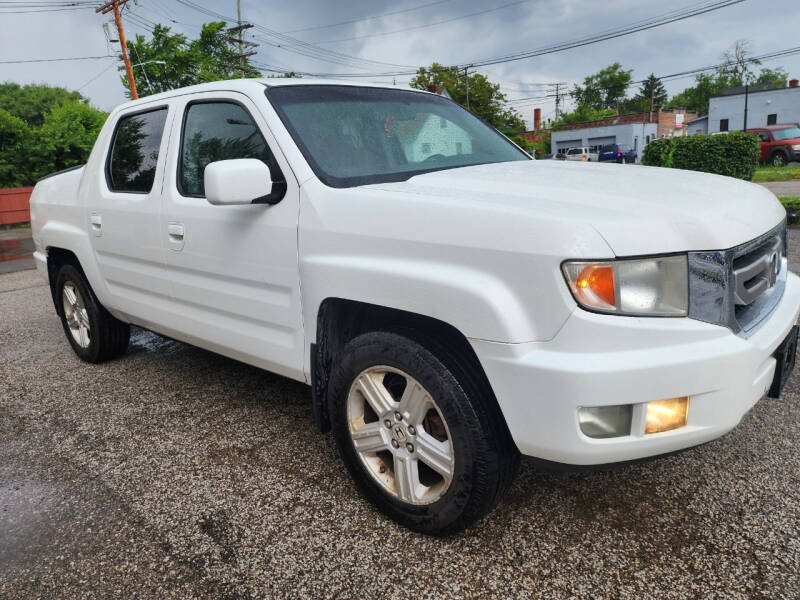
(133, 158)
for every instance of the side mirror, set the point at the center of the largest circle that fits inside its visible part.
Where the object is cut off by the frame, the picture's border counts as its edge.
(236, 181)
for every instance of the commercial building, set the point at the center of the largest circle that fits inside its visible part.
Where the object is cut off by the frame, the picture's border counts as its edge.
(635, 130)
(697, 126)
(764, 107)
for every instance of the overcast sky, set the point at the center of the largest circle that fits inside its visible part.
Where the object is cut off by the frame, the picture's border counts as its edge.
(516, 26)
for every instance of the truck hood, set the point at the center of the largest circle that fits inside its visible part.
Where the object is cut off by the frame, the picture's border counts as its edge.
(636, 209)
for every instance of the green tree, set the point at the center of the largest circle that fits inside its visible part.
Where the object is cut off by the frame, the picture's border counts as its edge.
(170, 60)
(32, 102)
(736, 65)
(14, 139)
(651, 93)
(581, 114)
(697, 97)
(66, 138)
(485, 98)
(773, 78)
(606, 89)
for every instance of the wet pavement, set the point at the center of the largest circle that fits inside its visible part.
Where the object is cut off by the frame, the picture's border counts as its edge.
(16, 250)
(175, 473)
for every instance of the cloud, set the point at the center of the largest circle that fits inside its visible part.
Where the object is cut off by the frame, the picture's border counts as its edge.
(688, 44)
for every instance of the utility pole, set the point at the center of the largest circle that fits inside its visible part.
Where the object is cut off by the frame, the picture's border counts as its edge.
(238, 39)
(466, 82)
(558, 100)
(114, 6)
(746, 94)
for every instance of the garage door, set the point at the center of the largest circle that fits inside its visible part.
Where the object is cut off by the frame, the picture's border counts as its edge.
(599, 142)
(567, 144)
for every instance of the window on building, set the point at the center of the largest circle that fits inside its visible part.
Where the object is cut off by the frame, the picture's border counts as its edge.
(459, 148)
(134, 155)
(215, 131)
(723, 124)
(772, 119)
(426, 148)
(442, 122)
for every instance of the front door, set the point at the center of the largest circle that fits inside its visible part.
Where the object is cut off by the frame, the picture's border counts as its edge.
(233, 269)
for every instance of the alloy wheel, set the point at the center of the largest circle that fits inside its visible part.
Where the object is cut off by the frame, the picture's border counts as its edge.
(75, 314)
(400, 435)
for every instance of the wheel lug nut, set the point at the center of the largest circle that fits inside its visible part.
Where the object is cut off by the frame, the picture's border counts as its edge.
(395, 443)
(388, 424)
(410, 447)
(411, 430)
(398, 416)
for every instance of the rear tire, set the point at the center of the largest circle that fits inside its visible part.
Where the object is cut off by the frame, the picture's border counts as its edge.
(94, 334)
(778, 159)
(456, 448)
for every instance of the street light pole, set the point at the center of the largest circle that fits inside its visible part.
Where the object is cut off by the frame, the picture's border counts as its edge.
(144, 71)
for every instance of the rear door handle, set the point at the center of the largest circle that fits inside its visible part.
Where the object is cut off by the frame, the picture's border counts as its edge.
(96, 222)
(176, 234)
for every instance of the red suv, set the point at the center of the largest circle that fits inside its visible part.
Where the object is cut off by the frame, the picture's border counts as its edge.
(780, 144)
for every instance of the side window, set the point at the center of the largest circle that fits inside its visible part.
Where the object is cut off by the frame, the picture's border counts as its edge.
(215, 131)
(764, 136)
(134, 151)
(772, 119)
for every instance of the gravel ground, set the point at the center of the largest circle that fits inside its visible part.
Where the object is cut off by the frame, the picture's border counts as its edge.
(175, 473)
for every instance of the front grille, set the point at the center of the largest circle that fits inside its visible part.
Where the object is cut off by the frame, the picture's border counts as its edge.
(739, 287)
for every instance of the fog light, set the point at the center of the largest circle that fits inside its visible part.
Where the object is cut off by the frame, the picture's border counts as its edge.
(664, 415)
(606, 421)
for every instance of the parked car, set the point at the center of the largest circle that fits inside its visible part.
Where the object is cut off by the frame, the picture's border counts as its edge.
(780, 144)
(583, 154)
(451, 302)
(620, 153)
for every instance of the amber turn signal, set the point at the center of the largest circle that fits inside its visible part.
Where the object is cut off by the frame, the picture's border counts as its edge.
(665, 415)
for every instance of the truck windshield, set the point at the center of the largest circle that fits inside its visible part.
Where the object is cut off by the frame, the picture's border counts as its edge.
(786, 134)
(358, 135)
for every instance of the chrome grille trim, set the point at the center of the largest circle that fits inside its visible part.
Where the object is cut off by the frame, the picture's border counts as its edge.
(735, 287)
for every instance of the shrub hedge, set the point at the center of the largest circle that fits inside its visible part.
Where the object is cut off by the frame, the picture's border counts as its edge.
(734, 154)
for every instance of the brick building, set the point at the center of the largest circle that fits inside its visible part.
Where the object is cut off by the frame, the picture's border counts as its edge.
(635, 130)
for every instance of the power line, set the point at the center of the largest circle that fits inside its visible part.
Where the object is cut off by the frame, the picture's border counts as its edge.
(42, 60)
(612, 34)
(381, 16)
(426, 25)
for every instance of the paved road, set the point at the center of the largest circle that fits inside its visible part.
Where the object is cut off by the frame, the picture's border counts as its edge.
(783, 188)
(175, 473)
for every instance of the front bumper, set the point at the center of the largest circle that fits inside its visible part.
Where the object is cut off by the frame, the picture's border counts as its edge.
(598, 360)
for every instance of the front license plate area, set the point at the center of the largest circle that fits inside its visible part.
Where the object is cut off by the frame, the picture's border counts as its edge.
(785, 357)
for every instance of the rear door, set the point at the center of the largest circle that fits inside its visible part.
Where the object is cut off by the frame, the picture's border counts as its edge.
(233, 269)
(124, 215)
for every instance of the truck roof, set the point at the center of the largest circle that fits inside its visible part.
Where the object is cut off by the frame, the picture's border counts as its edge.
(256, 86)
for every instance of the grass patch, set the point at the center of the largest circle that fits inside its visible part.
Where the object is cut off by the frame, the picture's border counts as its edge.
(777, 173)
(792, 206)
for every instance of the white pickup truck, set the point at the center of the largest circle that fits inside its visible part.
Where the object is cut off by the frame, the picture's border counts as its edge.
(451, 302)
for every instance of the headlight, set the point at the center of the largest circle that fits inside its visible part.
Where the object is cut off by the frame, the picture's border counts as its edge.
(655, 287)
(795, 146)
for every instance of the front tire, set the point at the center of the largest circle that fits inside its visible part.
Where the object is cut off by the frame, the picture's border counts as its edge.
(94, 334)
(421, 443)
